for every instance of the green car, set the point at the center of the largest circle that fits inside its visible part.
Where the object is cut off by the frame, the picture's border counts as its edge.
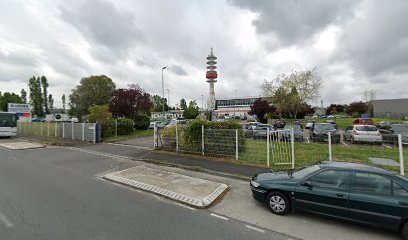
(348, 191)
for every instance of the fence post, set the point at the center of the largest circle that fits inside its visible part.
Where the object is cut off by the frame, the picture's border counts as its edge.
(48, 129)
(116, 127)
(154, 135)
(267, 145)
(63, 130)
(55, 129)
(330, 147)
(83, 131)
(236, 144)
(292, 140)
(73, 130)
(41, 128)
(202, 139)
(94, 140)
(177, 138)
(401, 155)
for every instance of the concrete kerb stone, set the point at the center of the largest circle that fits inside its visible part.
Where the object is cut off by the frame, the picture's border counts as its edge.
(189, 200)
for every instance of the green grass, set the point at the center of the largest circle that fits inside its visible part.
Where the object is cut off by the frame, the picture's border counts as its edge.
(134, 134)
(308, 154)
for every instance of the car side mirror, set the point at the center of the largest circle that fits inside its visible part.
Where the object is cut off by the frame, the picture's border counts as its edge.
(308, 184)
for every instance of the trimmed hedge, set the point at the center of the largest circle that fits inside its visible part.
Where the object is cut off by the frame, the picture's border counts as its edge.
(125, 126)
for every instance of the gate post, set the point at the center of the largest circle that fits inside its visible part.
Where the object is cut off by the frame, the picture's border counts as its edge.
(73, 130)
(292, 140)
(330, 147)
(177, 138)
(202, 139)
(236, 144)
(83, 131)
(267, 145)
(401, 155)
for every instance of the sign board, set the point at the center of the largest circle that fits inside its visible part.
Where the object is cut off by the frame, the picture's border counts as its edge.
(19, 107)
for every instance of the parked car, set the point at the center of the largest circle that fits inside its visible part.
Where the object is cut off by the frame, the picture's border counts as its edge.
(151, 125)
(163, 124)
(363, 121)
(320, 132)
(346, 191)
(363, 133)
(297, 133)
(332, 122)
(279, 124)
(246, 128)
(261, 131)
(390, 134)
(323, 116)
(309, 124)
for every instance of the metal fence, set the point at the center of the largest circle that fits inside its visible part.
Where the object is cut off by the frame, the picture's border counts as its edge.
(88, 132)
(279, 149)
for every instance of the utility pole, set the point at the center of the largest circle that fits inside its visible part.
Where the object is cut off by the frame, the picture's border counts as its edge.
(163, 90)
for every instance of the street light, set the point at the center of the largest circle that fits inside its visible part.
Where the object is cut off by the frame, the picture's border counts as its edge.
(163, 90)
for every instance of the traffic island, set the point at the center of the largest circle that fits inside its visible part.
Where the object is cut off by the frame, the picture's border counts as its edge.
(192, 191)
(21, 145)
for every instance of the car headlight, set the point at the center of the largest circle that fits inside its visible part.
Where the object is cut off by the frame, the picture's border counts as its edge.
(255, 184)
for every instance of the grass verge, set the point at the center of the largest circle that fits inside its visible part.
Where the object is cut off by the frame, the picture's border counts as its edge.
(134, 134)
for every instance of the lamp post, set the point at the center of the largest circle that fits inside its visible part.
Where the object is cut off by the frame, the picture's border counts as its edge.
(163, 89)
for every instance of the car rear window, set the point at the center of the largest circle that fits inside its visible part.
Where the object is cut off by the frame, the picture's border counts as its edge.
(366, 128)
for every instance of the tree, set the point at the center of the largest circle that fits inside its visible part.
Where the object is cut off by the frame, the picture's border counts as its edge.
(357, 107)
(129, 102)
(192, 111)
(99, 113)
(260, 108)
(44, 84)
(50, 103)
(63, 102)
(158, 103)
(183, 104)
(335, 109)
(7, 98)
(23, 95)
(93, 90)
(36, 97)
(289, 92)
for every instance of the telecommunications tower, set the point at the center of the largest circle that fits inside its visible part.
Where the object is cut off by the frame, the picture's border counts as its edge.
(211, 79)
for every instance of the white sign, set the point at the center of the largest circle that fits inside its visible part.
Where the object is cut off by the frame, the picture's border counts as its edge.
(19, 107)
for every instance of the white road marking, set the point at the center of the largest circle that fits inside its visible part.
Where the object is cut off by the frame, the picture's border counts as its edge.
(345, 144)
(128, 145)
(387, 146)
(184, 206)
(255, 229)
(219, 216)
(5, 220)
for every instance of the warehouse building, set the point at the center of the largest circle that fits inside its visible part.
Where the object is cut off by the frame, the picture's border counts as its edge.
(390, 108)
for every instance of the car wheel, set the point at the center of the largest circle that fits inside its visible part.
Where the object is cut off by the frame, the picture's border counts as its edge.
(404, 231)
(278, 203)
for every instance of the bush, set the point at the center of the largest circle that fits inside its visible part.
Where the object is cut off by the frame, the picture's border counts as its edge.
(125, 126)
(142, 122)
(107, 127)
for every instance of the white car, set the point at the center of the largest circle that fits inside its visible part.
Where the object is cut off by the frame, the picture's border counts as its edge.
(309, 124)
(363, 133)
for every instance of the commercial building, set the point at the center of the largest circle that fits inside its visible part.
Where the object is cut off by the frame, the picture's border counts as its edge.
(168, 114)
(237, 106)
(390, 108)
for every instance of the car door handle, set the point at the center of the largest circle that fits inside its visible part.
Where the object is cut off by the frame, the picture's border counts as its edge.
(341, 195)
(403, 203)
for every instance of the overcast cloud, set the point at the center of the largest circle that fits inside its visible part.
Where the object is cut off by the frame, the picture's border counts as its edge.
(355, 45)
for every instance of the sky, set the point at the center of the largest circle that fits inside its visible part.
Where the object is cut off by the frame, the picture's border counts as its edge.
(355, 45)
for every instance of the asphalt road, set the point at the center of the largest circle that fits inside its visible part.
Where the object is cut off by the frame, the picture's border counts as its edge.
(53, 193)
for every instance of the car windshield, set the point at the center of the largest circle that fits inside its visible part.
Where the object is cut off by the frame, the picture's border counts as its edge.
(301, 173)
(400, 128)
(324, 127)
(296, 128)
(366, 128)
(8, 120)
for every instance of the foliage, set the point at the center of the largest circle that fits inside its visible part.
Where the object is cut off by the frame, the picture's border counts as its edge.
(158, 103)
(142, 122)
(192, 111)
(93, 90)
(50, 102)
(36, 97)
(23, 94)
(260, 108)
(125, 126)
(44, 85)
(335, 109)
(291, 92)
(356, 107)
(183, 104)
(7, 98)
(100, 114)
(63, 99)
(129, 102)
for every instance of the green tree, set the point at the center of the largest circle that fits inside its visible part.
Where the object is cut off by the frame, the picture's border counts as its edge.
(63, 102)
(23, 95)
(192, 111)
(36, 97)
(44, 85)
(183, 104)
(50, 102)
(100, 114)
(93, 90)
(7, 98)
(158, 103)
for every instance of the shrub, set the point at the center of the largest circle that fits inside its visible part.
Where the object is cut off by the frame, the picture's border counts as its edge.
(142, 122)
(107, 127)
(125, 126)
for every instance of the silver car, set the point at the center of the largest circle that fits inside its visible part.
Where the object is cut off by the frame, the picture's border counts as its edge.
(309, 124)
(363, 133)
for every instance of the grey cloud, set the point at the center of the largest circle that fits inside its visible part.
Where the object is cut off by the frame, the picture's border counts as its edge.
(293, 22)
(177, 69)
(101, 23)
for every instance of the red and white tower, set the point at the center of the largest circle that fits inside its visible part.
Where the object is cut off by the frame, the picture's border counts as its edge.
(211, 79)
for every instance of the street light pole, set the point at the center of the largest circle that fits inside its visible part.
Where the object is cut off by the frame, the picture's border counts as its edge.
(163, 90)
